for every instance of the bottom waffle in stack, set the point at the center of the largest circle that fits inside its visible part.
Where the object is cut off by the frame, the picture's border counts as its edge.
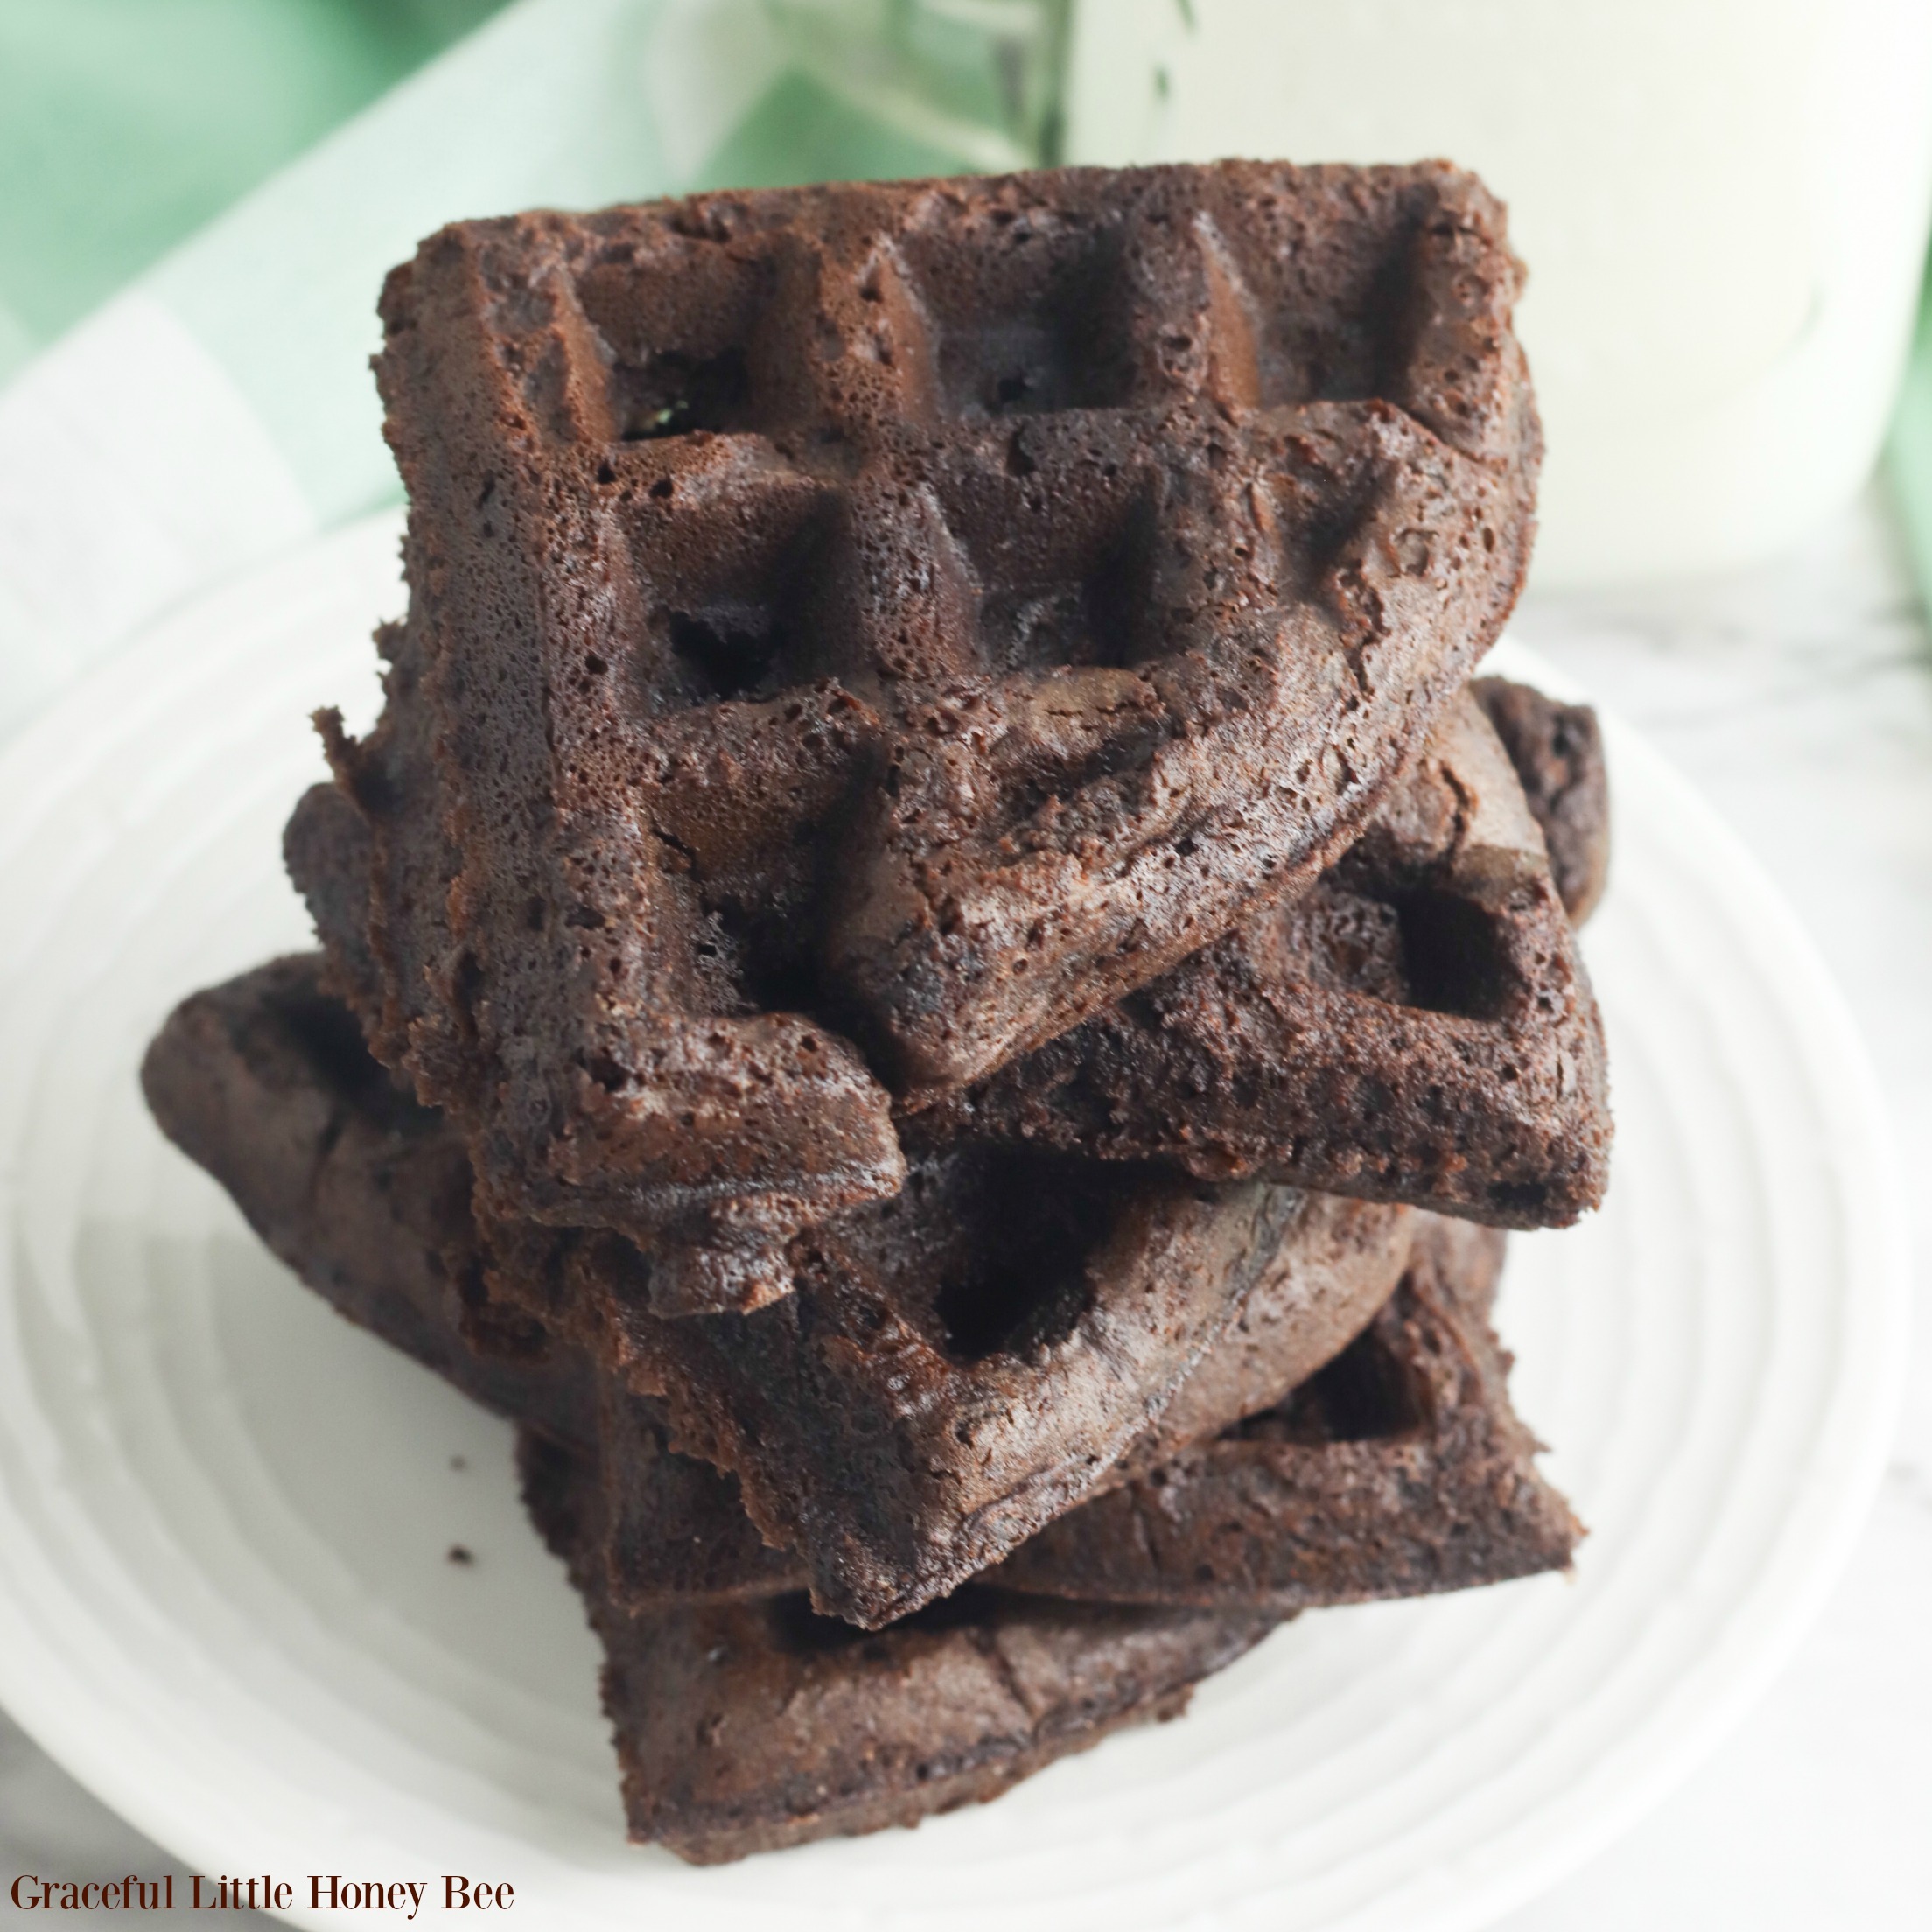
(1181, 1413)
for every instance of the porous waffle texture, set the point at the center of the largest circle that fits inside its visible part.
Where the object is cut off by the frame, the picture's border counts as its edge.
(743, 1727)
(858, 633)
(264, 1082)
(1395, 1466)
(1557, 752)
(1398, 1470)
(1417, 1028)
(960, 1364)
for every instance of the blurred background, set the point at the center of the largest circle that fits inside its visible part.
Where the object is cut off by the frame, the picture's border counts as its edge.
(1724, 206)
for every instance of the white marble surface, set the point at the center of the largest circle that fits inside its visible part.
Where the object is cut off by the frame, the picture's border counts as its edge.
(1799, 697)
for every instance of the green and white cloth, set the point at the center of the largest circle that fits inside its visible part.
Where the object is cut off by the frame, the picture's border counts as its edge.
(219, 408)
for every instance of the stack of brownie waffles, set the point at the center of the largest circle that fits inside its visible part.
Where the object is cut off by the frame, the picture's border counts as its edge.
(934, 975)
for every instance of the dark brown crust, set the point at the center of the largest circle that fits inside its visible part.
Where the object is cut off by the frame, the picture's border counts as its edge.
(743, 1727)
(679, 1527)
(1420, 1027)
(1399, 1470)
(678, 1533)
(1399, 1467)
(266, 1083)
(733, 538)
(899, 1436)
(1318, 1294)
(1297, 1047)
(1557, 752)
(949, 1376)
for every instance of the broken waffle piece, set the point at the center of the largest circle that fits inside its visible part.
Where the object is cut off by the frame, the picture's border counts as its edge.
(265, 1082)
(1077, 556)
(1557, 752)
(1398, 1470)
(960, 1364)
(957, 1367)
(1418, 1028)
(743, 1727)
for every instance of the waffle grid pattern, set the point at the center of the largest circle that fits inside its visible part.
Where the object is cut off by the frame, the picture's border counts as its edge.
(1072, 557)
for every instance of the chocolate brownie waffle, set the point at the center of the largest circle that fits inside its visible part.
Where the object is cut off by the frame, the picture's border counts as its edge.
(1418, 1028)
(1399, 1469)
(1557, 752)
(951, 1375)
(265, 1083)
(744, 1721)
(858, 633)
(963, 1364)
(742, 1727)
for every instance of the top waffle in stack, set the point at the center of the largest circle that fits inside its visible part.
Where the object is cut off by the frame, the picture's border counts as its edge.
(857, 635)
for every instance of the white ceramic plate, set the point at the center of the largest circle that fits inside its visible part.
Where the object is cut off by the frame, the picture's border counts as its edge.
(225, 1598)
